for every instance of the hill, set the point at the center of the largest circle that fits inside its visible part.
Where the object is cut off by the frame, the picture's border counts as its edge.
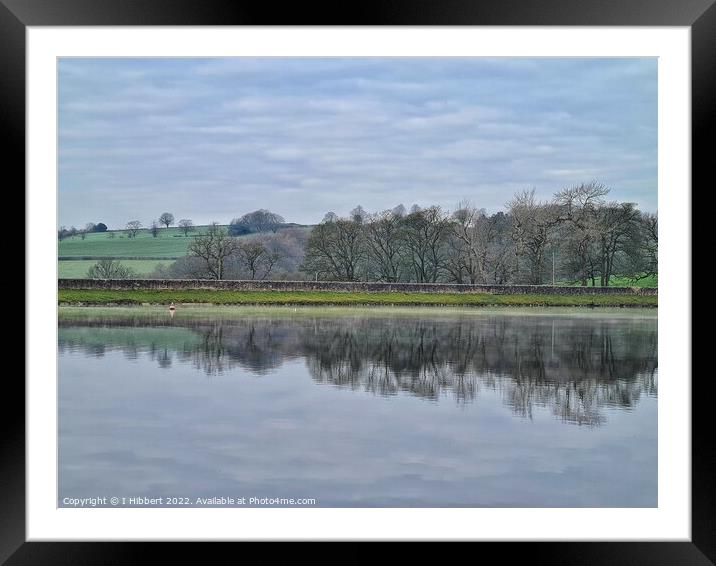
(142, 253)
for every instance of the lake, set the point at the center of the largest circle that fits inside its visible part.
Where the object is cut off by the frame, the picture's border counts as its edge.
(358, 407)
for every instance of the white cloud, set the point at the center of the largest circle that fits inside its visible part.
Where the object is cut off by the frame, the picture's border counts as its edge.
(305, 136)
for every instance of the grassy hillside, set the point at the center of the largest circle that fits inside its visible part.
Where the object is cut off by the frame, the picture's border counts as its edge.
(77, 269)
(170, 243)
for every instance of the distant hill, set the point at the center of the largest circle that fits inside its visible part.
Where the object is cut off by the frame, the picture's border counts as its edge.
(142, 253)
(170, 243)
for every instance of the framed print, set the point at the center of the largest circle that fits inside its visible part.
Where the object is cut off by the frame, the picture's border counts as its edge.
(296, 278)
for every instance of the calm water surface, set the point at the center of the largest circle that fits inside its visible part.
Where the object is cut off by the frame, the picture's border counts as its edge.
(360, 407)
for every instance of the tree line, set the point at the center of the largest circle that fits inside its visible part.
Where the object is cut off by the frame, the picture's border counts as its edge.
(577, 236)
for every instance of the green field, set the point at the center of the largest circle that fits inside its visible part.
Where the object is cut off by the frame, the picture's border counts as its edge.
(170, 243)
(77, 269)
(125, 297)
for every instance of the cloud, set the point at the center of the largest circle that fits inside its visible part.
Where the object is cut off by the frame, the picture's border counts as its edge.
(221, 137)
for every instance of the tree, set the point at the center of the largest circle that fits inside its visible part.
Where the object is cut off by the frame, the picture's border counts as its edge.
(503, 256)
(329, 216)
(256, 257)
(257, 221)
(580, 208)
(638, 258)
(399, 211)
(650, 244)
(425, 237)
(100, 227)
(154, 229)
(616, 224)
(386, 246)
(533, 224)
(167, 218)
(213, 249)
(133, 227)
(90, 227)
(335, 249)
(359, 215)
(186, 226)
(470, 245)
(109, 269)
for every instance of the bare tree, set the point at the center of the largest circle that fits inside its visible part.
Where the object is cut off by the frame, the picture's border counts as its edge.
(425, 237)
(256, 257)
(359, 215)
(472, 235)
(109, 269)
(386, 246)
(133, 227)
(615, 225)
(580, 207)
(650, 243)
(335, 249)
(213, 249)
(638, 257)
(154, 229)
(167, 218)
(533, 224)
(399, 211)
(186, 226)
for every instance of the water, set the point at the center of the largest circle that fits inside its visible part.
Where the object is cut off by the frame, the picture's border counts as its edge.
(358, 407)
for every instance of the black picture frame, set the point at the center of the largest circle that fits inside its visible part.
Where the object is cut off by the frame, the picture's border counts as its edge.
(699, 15)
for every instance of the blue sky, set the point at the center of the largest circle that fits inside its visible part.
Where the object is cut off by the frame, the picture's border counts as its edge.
(212, 139)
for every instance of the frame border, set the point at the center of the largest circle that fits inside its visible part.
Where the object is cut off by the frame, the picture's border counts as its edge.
(700, 15)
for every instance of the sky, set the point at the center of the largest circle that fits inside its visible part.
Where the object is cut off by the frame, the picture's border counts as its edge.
(212, 139)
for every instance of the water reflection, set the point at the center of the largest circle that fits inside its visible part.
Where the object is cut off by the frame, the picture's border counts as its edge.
(574, 366)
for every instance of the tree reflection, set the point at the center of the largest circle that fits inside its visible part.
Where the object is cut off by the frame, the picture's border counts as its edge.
(573, 366)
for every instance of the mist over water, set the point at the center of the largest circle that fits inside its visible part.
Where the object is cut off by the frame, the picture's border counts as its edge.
(362, 408)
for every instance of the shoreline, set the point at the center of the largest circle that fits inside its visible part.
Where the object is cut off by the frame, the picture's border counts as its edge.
(122, 297)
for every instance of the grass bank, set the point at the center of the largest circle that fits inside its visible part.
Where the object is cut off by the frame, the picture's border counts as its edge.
(205, 296)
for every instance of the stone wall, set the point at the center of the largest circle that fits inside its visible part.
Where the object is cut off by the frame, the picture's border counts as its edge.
(183, 284)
